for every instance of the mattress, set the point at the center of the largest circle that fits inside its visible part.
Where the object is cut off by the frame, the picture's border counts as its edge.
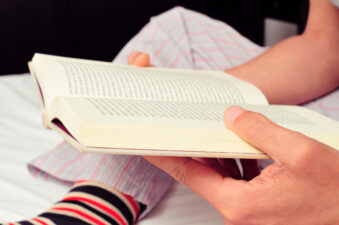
(22, 138)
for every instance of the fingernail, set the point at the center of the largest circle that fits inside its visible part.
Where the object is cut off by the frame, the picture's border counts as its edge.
(232, 113)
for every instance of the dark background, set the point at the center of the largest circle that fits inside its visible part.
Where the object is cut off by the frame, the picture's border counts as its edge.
(99, 29)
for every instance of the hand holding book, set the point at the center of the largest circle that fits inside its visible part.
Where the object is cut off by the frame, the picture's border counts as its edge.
(303, 168)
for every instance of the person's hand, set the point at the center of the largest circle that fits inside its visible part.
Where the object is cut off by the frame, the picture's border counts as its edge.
(300, 187)
(139, 59)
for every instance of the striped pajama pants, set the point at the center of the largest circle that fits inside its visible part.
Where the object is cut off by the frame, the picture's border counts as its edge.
(178, 38)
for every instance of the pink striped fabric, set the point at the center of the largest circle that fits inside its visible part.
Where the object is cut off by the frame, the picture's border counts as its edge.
(327, 105)
(177, 38)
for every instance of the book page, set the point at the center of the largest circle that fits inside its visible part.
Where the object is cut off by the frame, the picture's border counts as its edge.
(119, 123)
(71, 77)
(196, 114)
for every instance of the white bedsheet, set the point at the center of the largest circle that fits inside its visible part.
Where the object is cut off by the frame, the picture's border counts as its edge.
(22, 138)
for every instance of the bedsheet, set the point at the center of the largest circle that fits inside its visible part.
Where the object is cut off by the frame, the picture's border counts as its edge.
(22, 137)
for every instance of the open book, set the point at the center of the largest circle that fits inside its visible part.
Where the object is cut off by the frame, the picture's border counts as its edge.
(103, 107)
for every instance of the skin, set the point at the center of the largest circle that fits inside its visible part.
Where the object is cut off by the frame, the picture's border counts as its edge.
(302, 67)
(302, 185)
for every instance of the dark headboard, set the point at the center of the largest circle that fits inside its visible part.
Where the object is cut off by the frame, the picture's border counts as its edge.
(98, 29)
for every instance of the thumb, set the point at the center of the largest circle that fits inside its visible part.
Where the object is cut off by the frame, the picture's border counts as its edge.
(279, 143)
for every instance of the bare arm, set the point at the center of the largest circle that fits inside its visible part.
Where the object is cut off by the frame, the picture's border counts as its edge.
(303, 67)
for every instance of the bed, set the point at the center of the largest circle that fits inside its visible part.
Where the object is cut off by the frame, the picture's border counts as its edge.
(22, 137)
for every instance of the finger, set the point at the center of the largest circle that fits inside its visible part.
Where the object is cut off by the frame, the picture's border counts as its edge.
(195, 175)
(139, 59)
(231, 167)
(250, 168)
(279, 143)
(131, 57)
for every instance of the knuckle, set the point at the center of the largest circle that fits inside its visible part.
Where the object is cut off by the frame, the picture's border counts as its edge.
(305, 152)
(181, 174)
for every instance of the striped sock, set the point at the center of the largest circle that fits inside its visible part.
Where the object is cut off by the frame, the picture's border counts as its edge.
(90, 203)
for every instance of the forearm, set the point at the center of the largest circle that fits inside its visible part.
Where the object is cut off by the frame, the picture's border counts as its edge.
(294, 71)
